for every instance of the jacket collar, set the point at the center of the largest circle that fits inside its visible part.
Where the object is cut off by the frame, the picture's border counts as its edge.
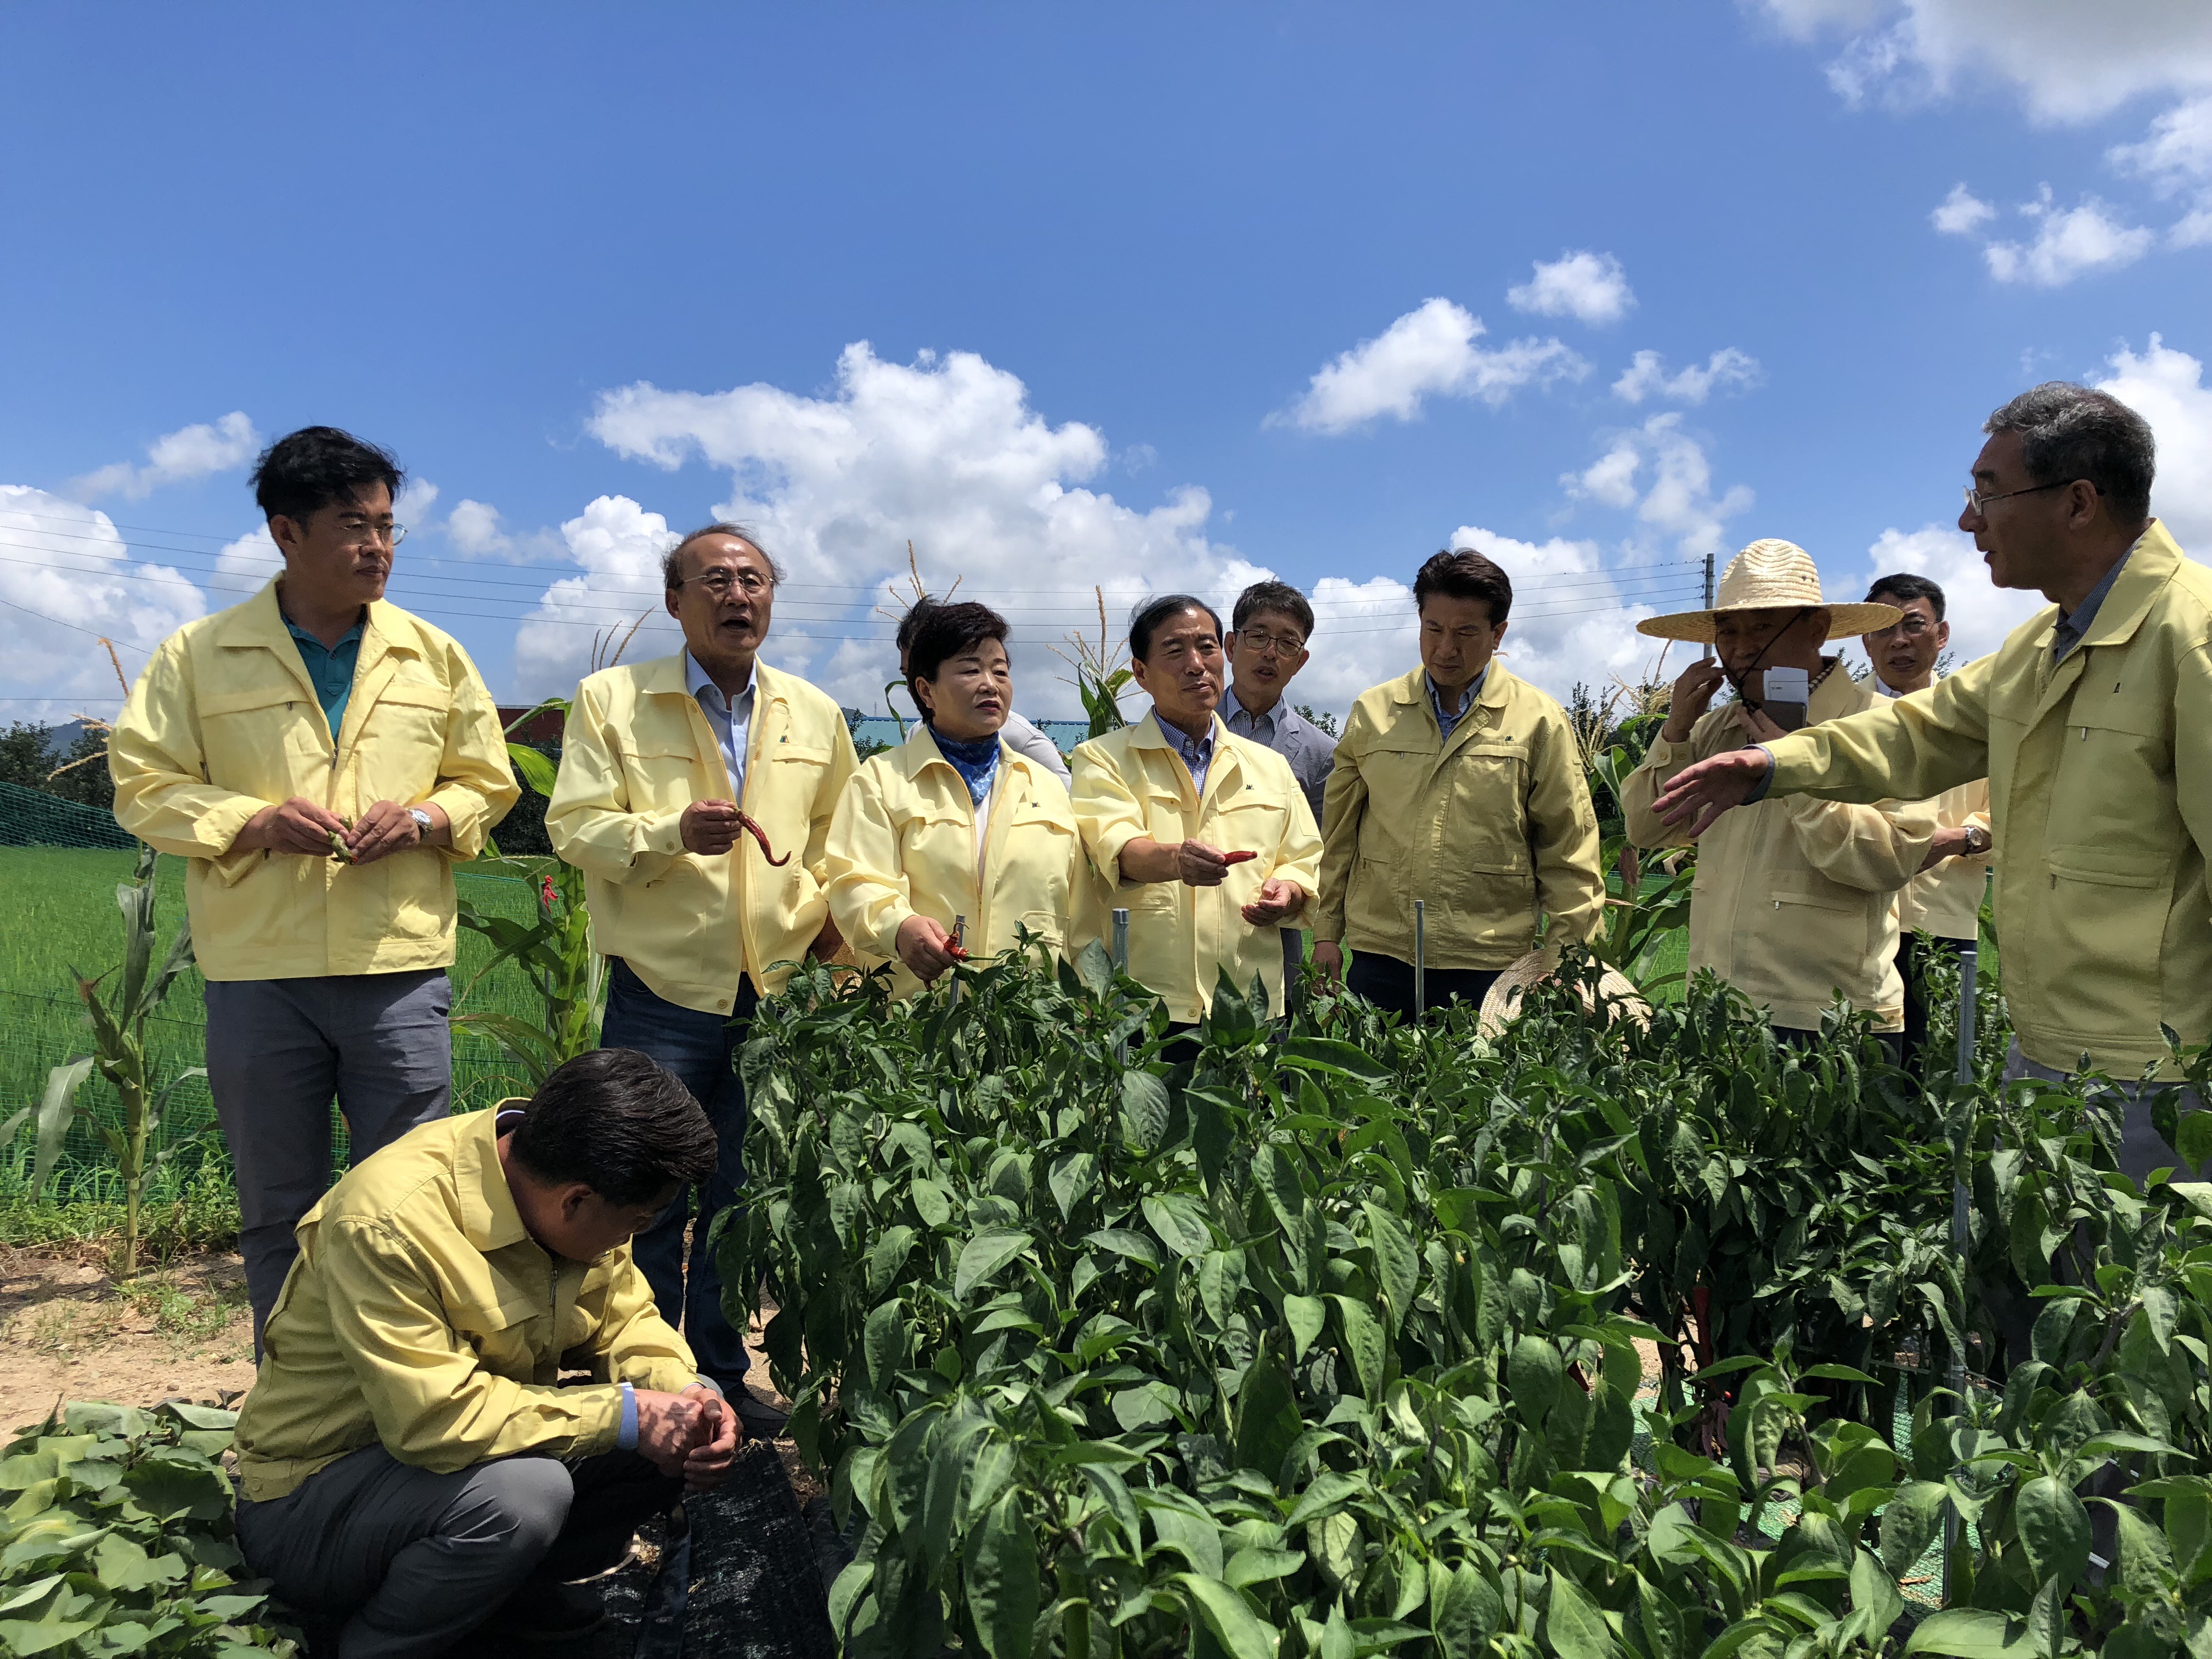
(260, 621)
(1414, 687)
(2150, 565)
(666, 677)
(489, 1220)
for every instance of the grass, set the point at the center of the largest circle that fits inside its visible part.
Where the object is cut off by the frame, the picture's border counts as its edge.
(58, 916)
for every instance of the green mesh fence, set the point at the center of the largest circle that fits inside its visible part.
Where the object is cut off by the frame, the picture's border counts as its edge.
(60, 864)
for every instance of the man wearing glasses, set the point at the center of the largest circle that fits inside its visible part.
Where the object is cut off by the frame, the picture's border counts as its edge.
(1944, 901)
(2093, 723)
(1458, 784)
(320, 759)
(1268, 631)
(695, 794)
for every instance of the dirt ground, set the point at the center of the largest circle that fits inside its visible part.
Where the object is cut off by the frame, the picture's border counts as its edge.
(70, 1332)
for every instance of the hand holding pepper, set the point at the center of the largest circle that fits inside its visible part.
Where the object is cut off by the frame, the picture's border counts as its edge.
(711, 828)
(925, 946)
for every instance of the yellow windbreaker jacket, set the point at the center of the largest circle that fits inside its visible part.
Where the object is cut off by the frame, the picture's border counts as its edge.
(903, 844)
(1132, 783)
(638, 750)
(224, 722)
(1490, 828)
(420, 1314)
(1947, 901)
(1795, 901)
(2100, 782)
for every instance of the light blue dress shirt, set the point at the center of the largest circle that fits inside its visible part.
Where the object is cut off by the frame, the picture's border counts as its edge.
(732, 720)
(1447, 719)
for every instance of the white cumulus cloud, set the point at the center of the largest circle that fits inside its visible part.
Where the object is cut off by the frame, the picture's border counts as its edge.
(1430, 351)
(1961, 213)
(1980, 615)
(1646, 376)
(2168, 388)
(947, 452)
(2176, 159)
(1591, 288)
(2067, 63)
(63, 562)
(2068, 242)
(193, 452)
(1662, 473)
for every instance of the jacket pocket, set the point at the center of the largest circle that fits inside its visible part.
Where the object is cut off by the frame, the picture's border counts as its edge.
(2101, 927)
(255, 740)
(660, 775)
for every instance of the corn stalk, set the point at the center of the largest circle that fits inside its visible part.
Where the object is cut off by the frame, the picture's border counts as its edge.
(1102, 678)
(118, 1017)
(554, 948)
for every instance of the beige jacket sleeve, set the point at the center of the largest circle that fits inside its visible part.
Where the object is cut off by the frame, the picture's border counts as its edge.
(1563, 839)
(844, 762)
(1107, 816)
(1343, 806)
(475, 787)
(163, 795)
(870, 897)
(632, 1342)
(1877, 850)
(1908, 748)
(589, 820)
(435, 1406)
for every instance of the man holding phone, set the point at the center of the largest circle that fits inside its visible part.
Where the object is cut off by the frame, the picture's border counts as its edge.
(1792, 900)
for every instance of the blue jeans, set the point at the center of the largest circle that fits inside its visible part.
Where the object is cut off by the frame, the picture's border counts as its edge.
(701, 1049)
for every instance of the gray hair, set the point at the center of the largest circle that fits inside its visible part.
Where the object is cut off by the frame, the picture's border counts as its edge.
(672, 561)
(2069, 432)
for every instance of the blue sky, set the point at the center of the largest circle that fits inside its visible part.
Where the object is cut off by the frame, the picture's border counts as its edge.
(596, 275)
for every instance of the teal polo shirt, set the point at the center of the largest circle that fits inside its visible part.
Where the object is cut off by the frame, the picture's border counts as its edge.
(329, 670)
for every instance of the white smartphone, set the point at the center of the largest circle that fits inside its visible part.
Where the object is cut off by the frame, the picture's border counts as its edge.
(1785, 693)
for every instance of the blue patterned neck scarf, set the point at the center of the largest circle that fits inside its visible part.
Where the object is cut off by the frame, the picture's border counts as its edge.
(976, 762)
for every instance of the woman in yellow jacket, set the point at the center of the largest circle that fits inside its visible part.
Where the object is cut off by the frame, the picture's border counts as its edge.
(1204, 836)
(954, 824)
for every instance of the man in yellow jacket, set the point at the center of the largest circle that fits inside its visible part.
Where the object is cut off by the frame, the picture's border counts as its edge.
(1204, 837)
(1944, 901)
(696, 794)
(1458, 784)
(320, 759)
(409, 1465)
(1795, 905)
(2093, 723)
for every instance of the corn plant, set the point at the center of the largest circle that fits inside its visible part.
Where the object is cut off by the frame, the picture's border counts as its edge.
(118, 1015)
(553, 949)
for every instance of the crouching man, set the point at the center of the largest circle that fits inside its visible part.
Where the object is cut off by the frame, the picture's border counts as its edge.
(409, 1463)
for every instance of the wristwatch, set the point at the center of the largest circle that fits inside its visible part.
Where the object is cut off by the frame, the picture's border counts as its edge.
(1979, 841)
(422, 820)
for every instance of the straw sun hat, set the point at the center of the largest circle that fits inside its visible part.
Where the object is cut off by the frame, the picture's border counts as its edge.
(1502, 1002)
(1771, 575)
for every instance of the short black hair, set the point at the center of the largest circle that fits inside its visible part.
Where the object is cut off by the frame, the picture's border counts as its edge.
(2069, 432)
(1904, 587)
(625, 1127)
(672, 561)
(945, 632)
(1145, 621)
(1464, 573)
(1273, 596)
(306, 470)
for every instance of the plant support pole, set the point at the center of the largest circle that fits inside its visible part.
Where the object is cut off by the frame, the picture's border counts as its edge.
(1969, 978)
(1120, 941)
(959, 939)
(1421, 959)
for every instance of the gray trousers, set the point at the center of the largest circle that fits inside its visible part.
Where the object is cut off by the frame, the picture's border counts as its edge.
(2142, 1148)
(278, 1052)
(411, 1561)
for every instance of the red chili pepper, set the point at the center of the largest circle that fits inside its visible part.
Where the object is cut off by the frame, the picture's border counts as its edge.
(746, 822)
(546, 893)
(1238, 858)
(957, 952)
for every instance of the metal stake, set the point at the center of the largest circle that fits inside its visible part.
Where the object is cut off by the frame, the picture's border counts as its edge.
(1121, 941)
(1709, 597)
(959, 938)
(1961, 1229)
(1420, 958)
